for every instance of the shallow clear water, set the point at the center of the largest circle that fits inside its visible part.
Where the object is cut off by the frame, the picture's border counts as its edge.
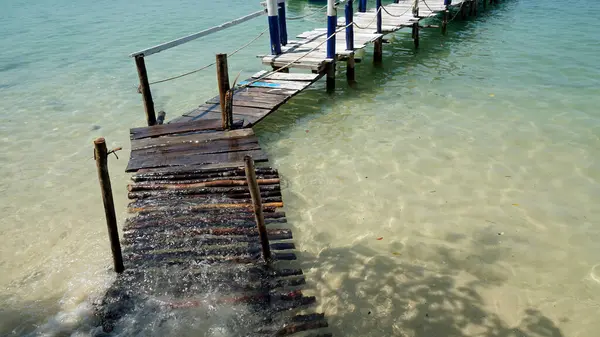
(453, 192)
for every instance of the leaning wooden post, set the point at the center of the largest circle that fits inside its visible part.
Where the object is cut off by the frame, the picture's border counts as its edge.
(476, 7)
(258, 210)
(101, 156)
(415, 33)
(274, 27)
(485, 3)
(224, 87)
(362, 6)
(145, 90)
(350, 63)
(283, 37)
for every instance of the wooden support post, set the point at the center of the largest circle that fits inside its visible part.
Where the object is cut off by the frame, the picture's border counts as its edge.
(145, 90)
(445, 22)
(350, 71)
(378, 51)
(415, 34)
(258, 210)
(283, 37)
(330, 69)
(224, 87)
(464, 10)
(101, 156)
(473, 7)
(485, 3)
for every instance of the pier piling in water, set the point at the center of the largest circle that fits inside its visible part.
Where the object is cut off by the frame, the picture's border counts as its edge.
(101, 156)
(273, 19)
(283, 36)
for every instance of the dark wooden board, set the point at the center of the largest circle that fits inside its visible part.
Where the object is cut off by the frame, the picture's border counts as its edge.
(218, 146)
(175, 159)
(138, 144)
(176, 128)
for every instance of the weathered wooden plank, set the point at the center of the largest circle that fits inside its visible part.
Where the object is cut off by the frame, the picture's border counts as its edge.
(168, 160)
(217, 146)
(138, 144)
(176, 128)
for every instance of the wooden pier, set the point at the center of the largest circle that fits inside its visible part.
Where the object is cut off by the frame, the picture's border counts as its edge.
(207, 223)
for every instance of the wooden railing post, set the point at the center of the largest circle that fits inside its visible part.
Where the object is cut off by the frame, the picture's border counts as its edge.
(258, 210)
(224, 88)
(145, 90)
(101, 156)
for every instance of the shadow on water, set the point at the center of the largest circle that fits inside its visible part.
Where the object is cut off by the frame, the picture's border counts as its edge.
(378, 295)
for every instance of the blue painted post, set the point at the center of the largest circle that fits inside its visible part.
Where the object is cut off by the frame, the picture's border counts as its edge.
(379, 17)
(331, 24)
(362, 6)
(349, 28)
(274, 27)
(282, 22)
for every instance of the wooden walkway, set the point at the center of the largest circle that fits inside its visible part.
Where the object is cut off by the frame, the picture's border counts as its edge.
(193, 235)
(192, 239)
(257, 100)
(395, 16)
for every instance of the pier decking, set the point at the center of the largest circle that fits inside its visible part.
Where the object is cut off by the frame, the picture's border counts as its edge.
(205, 220)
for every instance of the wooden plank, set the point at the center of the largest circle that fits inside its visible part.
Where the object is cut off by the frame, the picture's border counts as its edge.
(201, 137)
(175, 128)
(214, 146)
(269, 91)
(208, 108)
(199, 159)
(287, 77)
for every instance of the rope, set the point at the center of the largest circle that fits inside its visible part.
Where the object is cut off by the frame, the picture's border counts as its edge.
(370, 23)
(307, 15)
(296, 60)
(306, 54)
(396, 16)
(212, 64)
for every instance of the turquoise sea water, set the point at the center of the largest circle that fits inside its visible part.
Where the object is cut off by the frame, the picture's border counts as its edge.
(475, 159)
